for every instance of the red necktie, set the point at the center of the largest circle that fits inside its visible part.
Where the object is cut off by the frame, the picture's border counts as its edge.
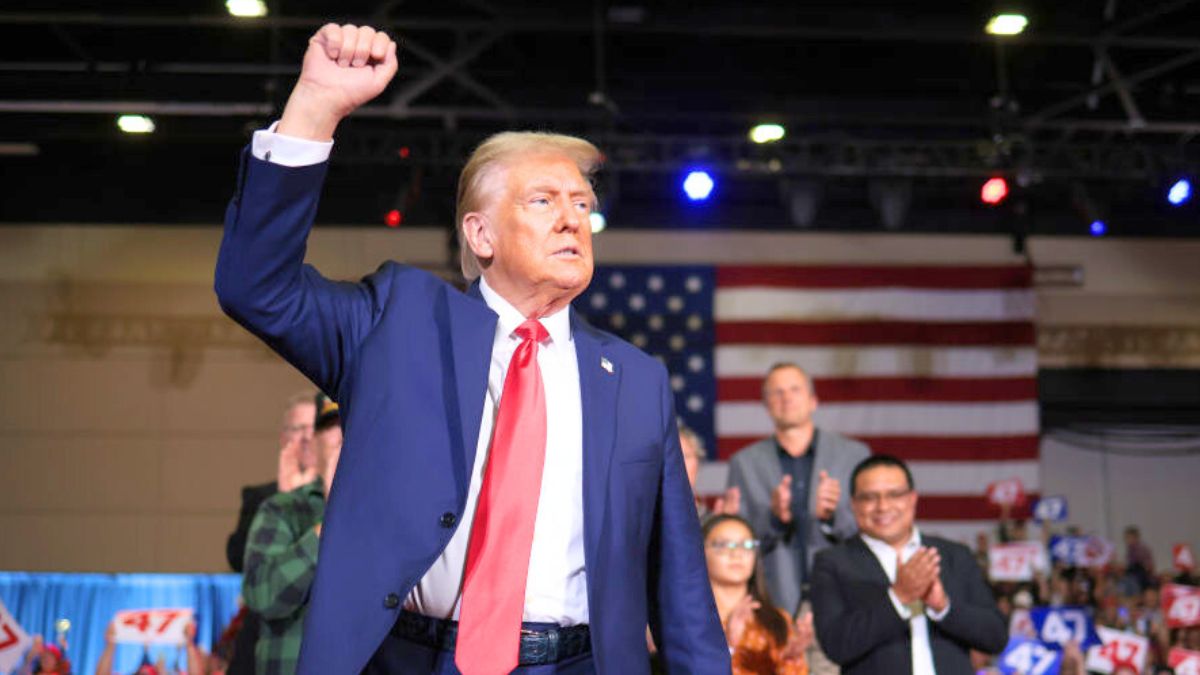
(493, 600)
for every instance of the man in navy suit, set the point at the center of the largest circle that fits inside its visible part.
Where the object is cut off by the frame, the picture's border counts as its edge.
(420, 368)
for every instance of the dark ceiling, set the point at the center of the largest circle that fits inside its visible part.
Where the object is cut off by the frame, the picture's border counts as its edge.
(895, 111)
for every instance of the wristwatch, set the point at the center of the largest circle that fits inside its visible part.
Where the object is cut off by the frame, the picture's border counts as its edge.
(916, 608)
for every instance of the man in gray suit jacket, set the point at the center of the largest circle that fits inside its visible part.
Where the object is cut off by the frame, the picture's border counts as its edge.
(791, 483)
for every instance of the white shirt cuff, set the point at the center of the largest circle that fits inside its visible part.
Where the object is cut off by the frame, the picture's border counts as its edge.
(904, 612)
(935, 615)
(288, 150)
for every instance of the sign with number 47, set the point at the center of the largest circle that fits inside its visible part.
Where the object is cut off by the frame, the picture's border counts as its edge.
(152, 626)
(1029, 657)
(1119, 649)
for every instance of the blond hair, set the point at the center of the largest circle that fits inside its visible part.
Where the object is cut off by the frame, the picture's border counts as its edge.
(494, 152)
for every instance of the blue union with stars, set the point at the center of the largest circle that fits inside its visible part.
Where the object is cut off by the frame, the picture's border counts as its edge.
(667, 312)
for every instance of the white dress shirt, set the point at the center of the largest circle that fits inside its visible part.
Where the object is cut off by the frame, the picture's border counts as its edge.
(922, 653)
(556, 586)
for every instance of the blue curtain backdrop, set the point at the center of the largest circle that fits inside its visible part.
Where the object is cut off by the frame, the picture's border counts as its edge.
(37, 600)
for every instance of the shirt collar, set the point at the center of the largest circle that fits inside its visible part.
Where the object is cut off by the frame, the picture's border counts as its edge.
(558, 324)
(878, 546)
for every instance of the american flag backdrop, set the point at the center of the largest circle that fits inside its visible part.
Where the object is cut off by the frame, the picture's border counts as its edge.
(936, 365)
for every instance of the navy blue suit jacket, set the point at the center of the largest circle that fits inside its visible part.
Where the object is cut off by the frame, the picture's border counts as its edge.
(406, 355)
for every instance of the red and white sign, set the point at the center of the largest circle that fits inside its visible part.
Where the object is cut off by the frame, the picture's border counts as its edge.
(1016, 561)
(1007, 492)
(152, 626)
(1181, 605)
(1183, 557)
(1119, 648)
(1184, 661)
(1021, 624)
(14, 642)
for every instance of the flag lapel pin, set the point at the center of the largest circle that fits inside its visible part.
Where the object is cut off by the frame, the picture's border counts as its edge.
(606, 365)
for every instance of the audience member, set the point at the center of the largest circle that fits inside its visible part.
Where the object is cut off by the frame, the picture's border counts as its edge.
(281, 551)
(893, 600)
(45, 659)
(791, 490)
(1139, 559)
(693, 454)
(762, 639)
(197, 660)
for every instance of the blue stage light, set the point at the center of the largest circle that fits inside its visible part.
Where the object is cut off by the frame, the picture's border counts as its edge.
(1098, 228)
(698, 185)
(1180, 192)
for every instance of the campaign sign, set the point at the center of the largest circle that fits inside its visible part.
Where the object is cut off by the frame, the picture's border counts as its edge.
(1024, 656)
(1056, 626)
(1050, 510)
(14, 642)
(1120, 648)
(1081, 551)
(152, 626)
(1007, 492)
(1184, 661)
(1019, 624)
(1181, 605)
(1183, 557)
(1016, 561)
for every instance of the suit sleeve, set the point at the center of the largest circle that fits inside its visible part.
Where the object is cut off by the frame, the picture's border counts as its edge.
(973, 618)
(262, 281)
(849, 631)
(683, 615)
(755, 507)
(844, 525)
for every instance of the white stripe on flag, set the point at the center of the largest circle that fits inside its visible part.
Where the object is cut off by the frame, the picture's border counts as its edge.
(971, 478)
(785, 304)
(747, 361)
(894, 419)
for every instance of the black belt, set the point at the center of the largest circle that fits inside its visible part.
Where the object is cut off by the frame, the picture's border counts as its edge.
(538, 647)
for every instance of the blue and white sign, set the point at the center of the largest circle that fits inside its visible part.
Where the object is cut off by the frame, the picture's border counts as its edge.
(1023, 656)
(1056, 626)
(1081, 551)
(1050, 510)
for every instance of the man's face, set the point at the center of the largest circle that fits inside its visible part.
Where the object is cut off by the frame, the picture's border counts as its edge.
(884, 505)
(790, 401)
(298, 428)
(541, 237)
(691, 459)
(328, 444)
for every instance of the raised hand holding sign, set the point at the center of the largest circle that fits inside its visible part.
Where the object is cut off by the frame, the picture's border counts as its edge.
(151, 626)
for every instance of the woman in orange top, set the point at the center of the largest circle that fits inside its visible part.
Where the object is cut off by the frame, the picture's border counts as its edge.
(762, 638)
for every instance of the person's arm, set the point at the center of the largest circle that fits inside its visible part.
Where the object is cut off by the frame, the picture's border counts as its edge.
(261, 280)
(849, 631)
(843, 525)
(683, 614)
(973, 617)
(104, 665)
(280, 564)
(752, 506)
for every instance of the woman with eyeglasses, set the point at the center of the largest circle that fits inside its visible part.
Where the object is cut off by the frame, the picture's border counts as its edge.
(761, 637)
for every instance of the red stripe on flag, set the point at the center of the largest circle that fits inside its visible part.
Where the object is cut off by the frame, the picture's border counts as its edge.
(966, 507)
(933, 277)
(932, 449)
(880, 389)
(876, 333)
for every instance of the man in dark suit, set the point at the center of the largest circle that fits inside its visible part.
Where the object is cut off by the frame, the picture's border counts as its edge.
(892, 600)
(488, 421)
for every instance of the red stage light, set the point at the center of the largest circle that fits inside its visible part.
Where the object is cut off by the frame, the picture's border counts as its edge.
(994, 191)
(393, 218)
(404, 152)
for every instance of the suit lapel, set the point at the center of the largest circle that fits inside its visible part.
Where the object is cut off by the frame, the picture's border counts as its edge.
(599, 381)
(869, 561)
(472, 333)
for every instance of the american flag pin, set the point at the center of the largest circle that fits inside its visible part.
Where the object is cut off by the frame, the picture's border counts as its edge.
(606, 365)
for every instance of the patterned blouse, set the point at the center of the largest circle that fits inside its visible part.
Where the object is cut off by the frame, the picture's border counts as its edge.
(758, 654)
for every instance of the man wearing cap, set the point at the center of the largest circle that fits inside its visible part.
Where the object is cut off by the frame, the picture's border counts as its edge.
(281, 551)
(513, 495)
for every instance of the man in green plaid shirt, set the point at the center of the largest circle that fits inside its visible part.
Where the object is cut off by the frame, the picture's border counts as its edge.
(281, 552)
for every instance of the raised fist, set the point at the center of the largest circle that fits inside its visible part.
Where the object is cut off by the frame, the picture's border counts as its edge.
(344, 67)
